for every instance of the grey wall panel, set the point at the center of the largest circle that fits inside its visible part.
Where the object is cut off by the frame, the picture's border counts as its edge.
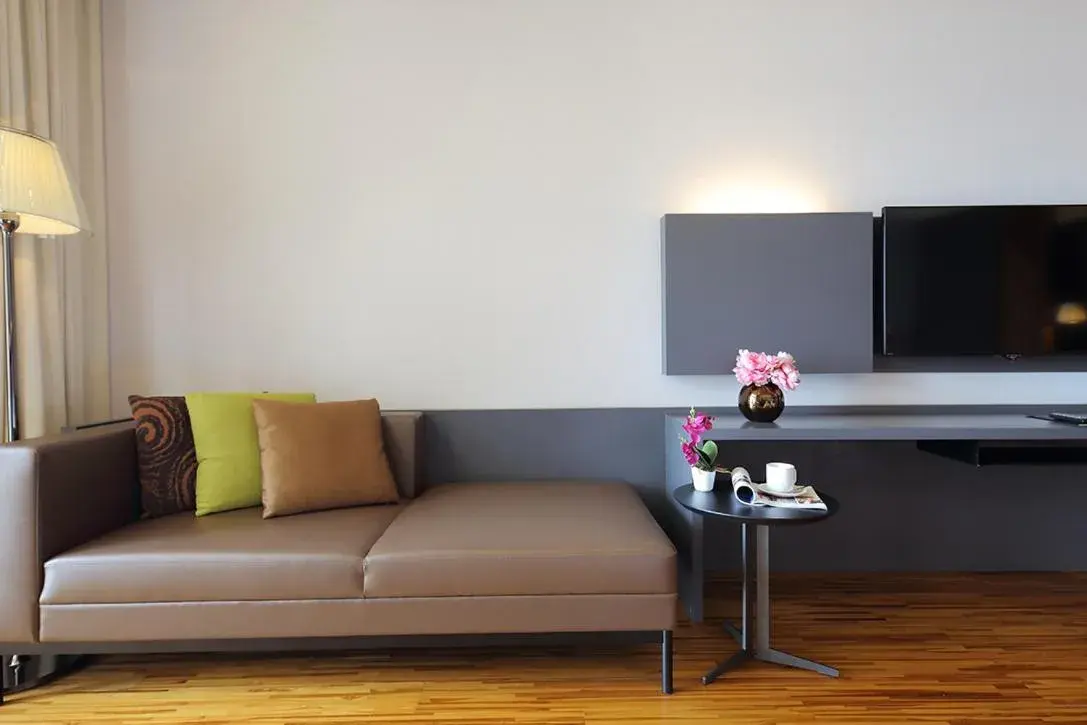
(685, 528)
(494, 445)
(906, 510)
(795, 282)
(902, 509)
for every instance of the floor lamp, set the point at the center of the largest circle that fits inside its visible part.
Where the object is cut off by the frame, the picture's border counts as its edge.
(36, 197)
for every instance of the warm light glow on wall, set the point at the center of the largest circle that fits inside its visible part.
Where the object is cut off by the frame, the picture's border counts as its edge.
(753, 198)
(1071, 313)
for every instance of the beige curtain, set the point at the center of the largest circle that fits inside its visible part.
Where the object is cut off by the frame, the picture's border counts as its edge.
(51, 85)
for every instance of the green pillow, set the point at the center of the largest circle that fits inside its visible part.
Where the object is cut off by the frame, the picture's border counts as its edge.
(227, 450)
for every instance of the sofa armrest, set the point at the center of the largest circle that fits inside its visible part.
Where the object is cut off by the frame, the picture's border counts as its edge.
(403, 434)
(57, 492)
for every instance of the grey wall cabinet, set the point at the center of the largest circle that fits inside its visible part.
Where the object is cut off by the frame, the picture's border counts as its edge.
(795, 282)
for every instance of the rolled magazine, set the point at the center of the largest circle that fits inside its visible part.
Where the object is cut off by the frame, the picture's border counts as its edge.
(752, 494)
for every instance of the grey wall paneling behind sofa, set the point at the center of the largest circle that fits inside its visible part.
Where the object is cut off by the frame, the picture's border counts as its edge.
(796, 282)
(902, 509)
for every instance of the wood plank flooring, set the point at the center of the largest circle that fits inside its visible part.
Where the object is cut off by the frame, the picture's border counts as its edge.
(1001, 648)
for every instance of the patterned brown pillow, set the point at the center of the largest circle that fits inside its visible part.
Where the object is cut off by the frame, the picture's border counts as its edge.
(165, 453)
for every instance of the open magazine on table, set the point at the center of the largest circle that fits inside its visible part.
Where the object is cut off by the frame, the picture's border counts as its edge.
(756, 494)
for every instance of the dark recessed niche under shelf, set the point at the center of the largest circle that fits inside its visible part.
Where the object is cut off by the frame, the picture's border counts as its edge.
(1008, 453)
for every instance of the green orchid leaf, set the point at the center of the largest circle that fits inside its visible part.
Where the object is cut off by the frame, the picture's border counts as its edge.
(710, 449)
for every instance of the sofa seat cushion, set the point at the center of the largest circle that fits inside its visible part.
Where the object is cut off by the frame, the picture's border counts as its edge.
(523, 538)
(234, 556)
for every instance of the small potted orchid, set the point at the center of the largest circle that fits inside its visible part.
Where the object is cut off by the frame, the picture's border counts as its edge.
(701, 454)
(764, 378)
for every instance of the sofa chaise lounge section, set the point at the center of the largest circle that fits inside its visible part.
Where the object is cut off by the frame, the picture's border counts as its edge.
(84, 574)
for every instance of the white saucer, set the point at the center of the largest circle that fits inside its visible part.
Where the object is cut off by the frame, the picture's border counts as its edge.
(791, 493)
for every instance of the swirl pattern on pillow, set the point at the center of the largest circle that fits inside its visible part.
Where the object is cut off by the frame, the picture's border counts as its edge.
(165, 454)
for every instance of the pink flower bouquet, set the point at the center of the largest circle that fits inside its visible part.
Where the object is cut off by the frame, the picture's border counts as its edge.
(700, 454)
(758, 368)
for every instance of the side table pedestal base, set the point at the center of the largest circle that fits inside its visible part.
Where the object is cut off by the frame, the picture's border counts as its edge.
(755, 645)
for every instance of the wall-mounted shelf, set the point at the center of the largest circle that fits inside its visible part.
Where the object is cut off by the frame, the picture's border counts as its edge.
(906, 423)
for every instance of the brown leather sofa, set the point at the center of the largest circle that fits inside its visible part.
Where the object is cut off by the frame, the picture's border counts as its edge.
(82, 574)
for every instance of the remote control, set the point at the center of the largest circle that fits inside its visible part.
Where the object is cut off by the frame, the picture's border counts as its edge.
(1077, 418)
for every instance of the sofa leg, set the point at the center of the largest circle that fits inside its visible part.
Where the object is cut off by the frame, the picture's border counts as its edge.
(16, 670)
(11, 668)
(666, 661)
(26, 672)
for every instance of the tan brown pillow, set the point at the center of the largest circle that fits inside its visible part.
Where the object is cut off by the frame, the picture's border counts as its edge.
(316, 456)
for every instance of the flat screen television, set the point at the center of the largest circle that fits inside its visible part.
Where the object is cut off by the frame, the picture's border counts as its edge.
(983, 280)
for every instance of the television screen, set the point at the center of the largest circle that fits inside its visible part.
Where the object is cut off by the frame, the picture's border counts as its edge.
(984, 280)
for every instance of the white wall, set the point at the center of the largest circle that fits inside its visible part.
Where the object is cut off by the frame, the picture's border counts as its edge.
(455, 203)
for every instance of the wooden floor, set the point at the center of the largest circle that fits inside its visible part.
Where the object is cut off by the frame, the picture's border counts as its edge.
(1007, 648)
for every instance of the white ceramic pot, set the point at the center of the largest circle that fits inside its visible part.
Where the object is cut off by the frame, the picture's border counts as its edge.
(702, 480)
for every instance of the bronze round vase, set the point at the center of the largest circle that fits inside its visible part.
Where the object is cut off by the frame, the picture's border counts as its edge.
(762, 403)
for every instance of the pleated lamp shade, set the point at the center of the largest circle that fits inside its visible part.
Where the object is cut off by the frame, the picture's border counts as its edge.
(34, 185)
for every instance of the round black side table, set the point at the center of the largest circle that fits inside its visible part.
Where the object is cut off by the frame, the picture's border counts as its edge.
(755, 541)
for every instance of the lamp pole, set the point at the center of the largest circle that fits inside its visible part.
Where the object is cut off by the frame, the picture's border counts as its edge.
(8, 224)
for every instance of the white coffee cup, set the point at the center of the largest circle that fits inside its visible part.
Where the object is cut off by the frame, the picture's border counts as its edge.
(780, 476)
